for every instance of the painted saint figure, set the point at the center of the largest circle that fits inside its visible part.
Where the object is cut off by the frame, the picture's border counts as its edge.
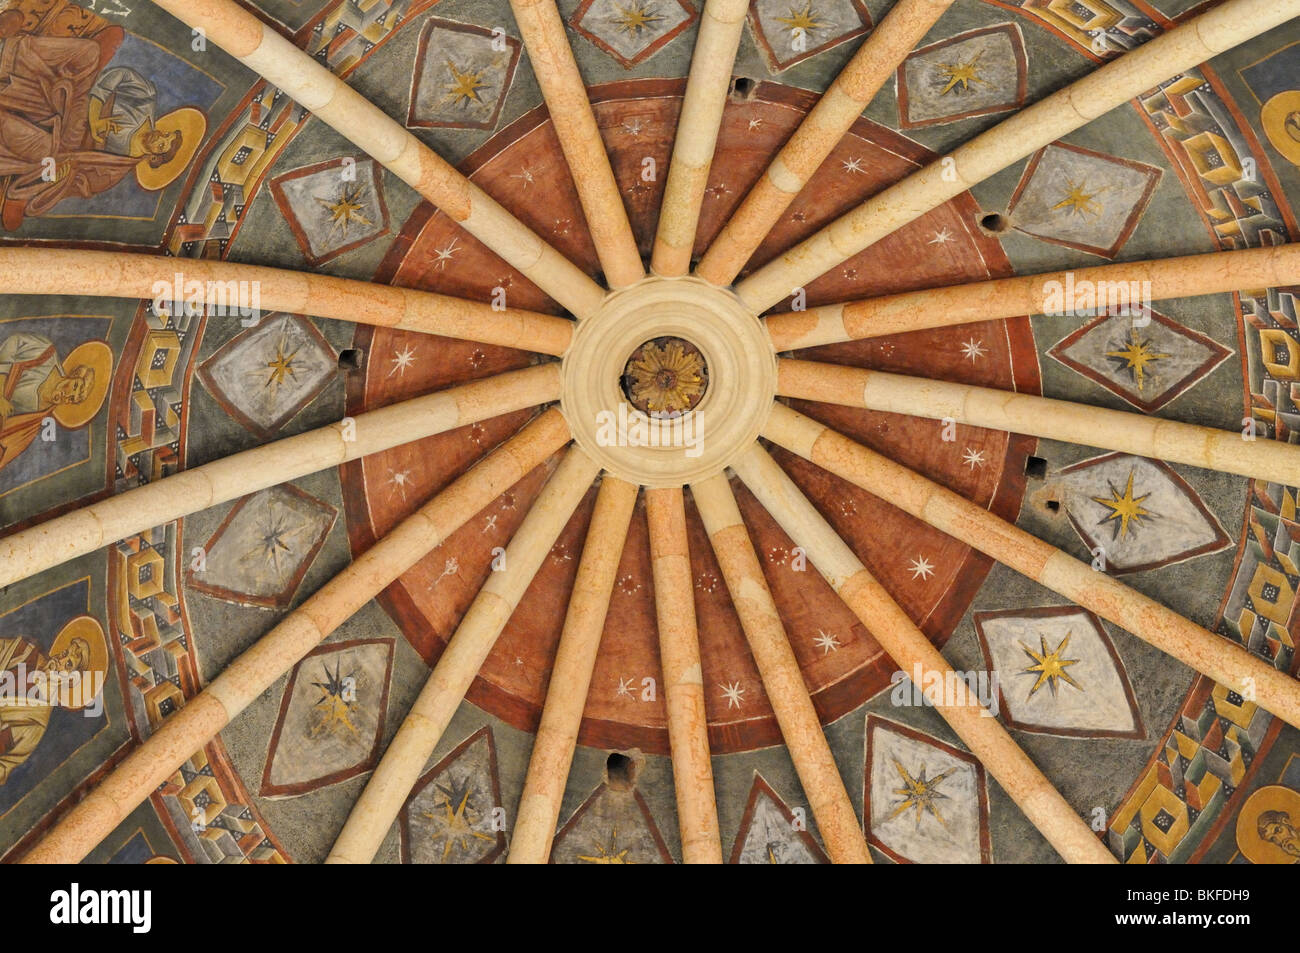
(68, 130)
(35, 384)
(1278, 829)
(78, 657)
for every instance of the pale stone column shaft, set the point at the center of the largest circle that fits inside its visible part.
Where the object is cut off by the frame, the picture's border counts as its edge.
(834, 115)
(1210, 654)
(679, 654)
(1226, 451)
(92, 527)
(1181, 48)
(716, 44)
(336, 104)
(220, 284)
(575, 659)
(575, 125)
(783, 682)
(908, 646)
(1067, 296)
(277, 652)
(423, 727)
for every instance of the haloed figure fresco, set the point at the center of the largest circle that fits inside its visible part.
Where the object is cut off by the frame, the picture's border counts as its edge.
(71, 126)
(69, 675)
(35, 385)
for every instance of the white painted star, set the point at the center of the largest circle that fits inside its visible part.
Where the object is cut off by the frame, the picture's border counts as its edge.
(826, 641)
(921, 568)
(400, 479)
(633, 127)
(445, 254)
(490, 523)
(973, 350)
(733, 693)
(401, 360)
(525, 175)
(972, 458)
(754, 124)
(941, 238)
(624, 688)
(854, 165)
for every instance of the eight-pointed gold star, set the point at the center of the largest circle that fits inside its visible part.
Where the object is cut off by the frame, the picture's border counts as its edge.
(803, 19)
(1050, 666)
(1124, 507)
(920, 793)
(464, 86)
(962, 74)
(1079, 201)
(1136, 355)
(635, 18)
(608, 853)
(345, 210)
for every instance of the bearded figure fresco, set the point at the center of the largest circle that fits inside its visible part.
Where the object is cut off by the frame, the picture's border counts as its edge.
(69, 127)
(36, 384)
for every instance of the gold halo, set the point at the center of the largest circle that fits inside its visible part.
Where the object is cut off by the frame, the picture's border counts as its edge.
(87, 628)
(191, 124)
(1275, 797)
(98, 356)
(1273, 117)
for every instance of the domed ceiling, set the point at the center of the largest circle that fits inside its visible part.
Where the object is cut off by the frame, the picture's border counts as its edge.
(644, 482)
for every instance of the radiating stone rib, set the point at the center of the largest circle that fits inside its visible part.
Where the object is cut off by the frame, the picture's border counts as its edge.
(1053, 568)
(679, 654)
(276, 653)
(821, 130)
(1226, 451)
(228, 287)
(1073, 293)
(422, 728)
(575, 659)
(350, 114)
(85, 530)
(908, 646)
(575, 125)
(783, 682)
(716, 44)
(1077, 104)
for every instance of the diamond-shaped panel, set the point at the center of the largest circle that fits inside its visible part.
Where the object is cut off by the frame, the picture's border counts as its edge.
(1147, 363)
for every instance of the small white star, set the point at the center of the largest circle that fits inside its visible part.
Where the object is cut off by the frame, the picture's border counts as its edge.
(401, 360)
(921, 568)
(633, 127)
(624, 688)
(826, 641)
(973, 350)
(973, 458)
(854, 165)
(490, 523)
(733, 693)
(525, 175)
(941, 238)
(445, 254)
(400, 480)
(754, 124)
